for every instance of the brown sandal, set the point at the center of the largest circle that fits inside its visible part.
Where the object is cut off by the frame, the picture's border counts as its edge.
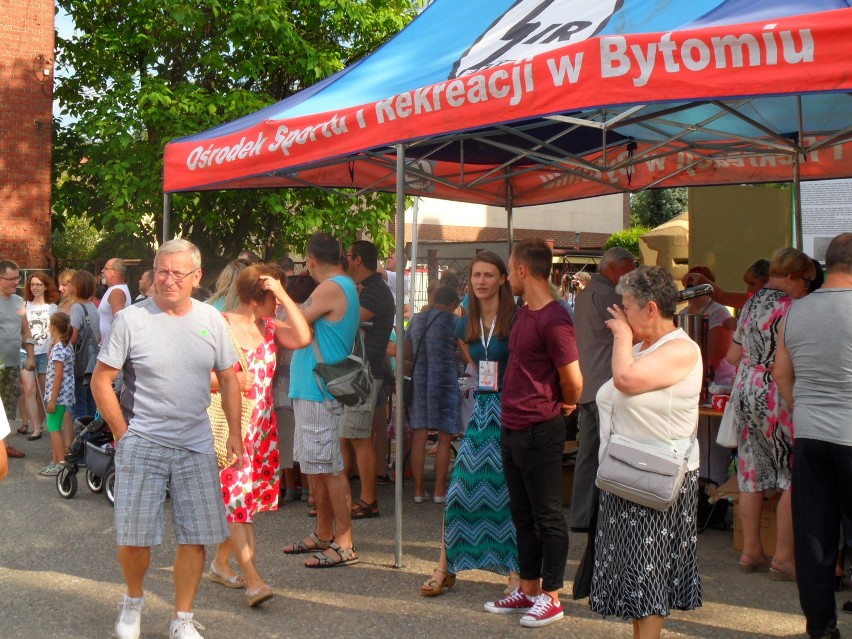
(363, 510)
(302, 547)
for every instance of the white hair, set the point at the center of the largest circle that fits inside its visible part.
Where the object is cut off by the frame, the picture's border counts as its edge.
(179, 245)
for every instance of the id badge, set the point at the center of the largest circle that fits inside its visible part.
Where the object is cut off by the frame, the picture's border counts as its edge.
(488, 375)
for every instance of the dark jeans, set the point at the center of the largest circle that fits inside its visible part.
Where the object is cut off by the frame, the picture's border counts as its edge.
(822, 496)
(584, 498)
(84, 404)
(532, 462)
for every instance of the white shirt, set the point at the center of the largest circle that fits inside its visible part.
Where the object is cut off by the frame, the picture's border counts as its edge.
(667, 415)
(105, 310)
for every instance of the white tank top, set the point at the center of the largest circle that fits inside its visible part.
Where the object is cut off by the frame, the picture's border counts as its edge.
(665, 415)
(105, 310)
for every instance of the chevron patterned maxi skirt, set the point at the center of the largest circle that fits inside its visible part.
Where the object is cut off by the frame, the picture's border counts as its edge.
(478, 529)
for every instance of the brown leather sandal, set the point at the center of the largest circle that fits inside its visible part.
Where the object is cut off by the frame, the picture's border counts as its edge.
(363, 510)
(302, 547)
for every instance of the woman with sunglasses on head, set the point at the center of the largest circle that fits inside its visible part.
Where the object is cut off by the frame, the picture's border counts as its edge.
(764, 422)
(40, 296)
(478, 528)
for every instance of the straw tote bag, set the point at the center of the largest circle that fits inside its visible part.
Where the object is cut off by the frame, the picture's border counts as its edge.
(218, 423)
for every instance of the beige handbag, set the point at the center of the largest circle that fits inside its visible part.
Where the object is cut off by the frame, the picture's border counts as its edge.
(218, 422)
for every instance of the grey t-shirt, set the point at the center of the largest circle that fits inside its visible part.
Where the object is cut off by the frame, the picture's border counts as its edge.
(78, 316)
(11, 312)
(818, 337)
(594, 339)
(166, 362)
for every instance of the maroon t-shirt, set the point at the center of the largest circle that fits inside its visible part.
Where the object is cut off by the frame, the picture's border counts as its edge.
(541, 341)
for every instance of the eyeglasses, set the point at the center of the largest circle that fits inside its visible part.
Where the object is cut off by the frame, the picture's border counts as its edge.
(177, 276)
(12, 279)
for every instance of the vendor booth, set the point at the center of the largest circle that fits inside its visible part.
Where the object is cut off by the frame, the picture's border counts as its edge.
(522, 102)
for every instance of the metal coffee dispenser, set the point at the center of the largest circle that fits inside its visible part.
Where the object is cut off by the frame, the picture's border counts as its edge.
(696, 327)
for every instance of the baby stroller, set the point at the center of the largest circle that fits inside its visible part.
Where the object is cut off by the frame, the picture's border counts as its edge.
(93, 445)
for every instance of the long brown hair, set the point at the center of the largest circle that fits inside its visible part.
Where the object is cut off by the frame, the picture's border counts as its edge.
(506, 306)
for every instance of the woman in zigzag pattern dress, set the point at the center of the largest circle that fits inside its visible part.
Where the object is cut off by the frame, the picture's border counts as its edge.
(478, 528)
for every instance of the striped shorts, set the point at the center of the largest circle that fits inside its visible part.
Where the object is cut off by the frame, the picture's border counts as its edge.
(316, 445)
(144, 471)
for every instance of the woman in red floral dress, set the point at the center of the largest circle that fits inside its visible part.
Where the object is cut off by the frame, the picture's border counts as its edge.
(253, 488)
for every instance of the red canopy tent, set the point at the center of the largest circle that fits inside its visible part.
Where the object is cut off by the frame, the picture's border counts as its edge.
(520, 102)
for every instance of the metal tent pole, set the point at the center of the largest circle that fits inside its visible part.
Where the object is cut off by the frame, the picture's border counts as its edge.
(167, 215)
(400, 360)
(510, 223)
(415, 238)
(797, 176)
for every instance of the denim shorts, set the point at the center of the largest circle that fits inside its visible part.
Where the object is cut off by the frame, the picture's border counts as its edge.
(40, 359)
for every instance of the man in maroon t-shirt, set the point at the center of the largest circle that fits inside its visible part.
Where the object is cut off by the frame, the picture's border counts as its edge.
(542, 384)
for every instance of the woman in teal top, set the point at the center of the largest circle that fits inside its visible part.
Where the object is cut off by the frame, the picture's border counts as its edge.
(478, 528)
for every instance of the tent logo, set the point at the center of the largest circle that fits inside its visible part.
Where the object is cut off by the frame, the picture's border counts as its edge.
(531, 27)
(418, 178)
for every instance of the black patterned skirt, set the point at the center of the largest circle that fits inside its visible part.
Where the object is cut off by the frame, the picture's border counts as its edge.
(645, 560)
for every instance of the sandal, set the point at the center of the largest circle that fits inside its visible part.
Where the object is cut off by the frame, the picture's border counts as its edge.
(234, 581)
(257, 597)
(345, 557)
(433, 588)
(783, 572)
(312, 511)
(302, 547)
(363, 510)
(753, 564)
(23, 430)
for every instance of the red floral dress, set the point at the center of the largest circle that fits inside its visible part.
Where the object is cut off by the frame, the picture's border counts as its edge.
(254, 487)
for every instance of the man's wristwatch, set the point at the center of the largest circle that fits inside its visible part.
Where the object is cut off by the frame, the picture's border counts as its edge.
(30, 341)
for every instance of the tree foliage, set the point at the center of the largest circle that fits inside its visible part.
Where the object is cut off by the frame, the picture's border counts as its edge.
(628, 238)
(657, 206)
(139, 74)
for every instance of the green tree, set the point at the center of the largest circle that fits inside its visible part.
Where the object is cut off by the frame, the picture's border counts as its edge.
(139, 74)
(628, 238)
(657, 206)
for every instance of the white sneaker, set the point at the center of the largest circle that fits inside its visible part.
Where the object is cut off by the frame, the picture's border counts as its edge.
(419, 499)
(184, 627)
(129, 621)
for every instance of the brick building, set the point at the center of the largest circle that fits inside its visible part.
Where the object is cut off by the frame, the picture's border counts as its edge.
(26, 103)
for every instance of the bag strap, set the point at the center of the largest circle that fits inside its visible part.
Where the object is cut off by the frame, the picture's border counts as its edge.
(243, 359)
(423, 339)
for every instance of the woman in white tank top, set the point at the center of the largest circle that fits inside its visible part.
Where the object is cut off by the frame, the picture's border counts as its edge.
(645, 559)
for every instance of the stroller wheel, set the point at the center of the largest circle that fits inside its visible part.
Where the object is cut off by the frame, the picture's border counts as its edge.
(94, 482)
(66, 483)
(109, 486)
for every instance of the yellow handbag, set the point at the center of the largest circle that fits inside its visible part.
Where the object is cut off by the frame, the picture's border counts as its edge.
(218, 422)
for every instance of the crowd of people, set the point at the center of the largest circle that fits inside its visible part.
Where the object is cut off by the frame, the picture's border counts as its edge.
(611, 355)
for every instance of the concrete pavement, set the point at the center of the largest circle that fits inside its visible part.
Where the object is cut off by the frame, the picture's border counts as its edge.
(59, 579)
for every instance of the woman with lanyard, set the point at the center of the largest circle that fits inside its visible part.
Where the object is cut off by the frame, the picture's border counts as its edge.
(478, 529)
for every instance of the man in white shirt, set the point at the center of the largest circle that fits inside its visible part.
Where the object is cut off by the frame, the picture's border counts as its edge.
(117, 295)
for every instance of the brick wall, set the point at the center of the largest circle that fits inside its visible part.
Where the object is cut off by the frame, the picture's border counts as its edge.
(26, 101)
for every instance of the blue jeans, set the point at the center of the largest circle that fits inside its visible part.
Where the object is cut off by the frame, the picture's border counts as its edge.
(84, 405)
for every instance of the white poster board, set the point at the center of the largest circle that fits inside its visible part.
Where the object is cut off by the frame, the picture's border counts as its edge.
(826, 212)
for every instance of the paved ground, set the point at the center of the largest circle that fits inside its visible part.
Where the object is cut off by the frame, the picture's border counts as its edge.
(59, 579)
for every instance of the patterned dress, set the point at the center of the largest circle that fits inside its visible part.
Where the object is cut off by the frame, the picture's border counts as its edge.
(254, 487)
(478, 528)
(764, 423)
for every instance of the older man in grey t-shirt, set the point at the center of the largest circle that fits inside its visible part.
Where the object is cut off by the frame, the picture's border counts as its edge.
(166, 348)
(813, 370)
(594, 344)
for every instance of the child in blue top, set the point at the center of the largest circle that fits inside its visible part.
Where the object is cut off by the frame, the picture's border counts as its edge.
(58, 387)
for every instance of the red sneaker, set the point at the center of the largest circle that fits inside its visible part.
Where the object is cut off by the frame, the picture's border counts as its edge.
(516, 601)
(546, 610)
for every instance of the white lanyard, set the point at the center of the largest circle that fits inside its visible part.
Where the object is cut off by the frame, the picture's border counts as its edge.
(482, 334)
